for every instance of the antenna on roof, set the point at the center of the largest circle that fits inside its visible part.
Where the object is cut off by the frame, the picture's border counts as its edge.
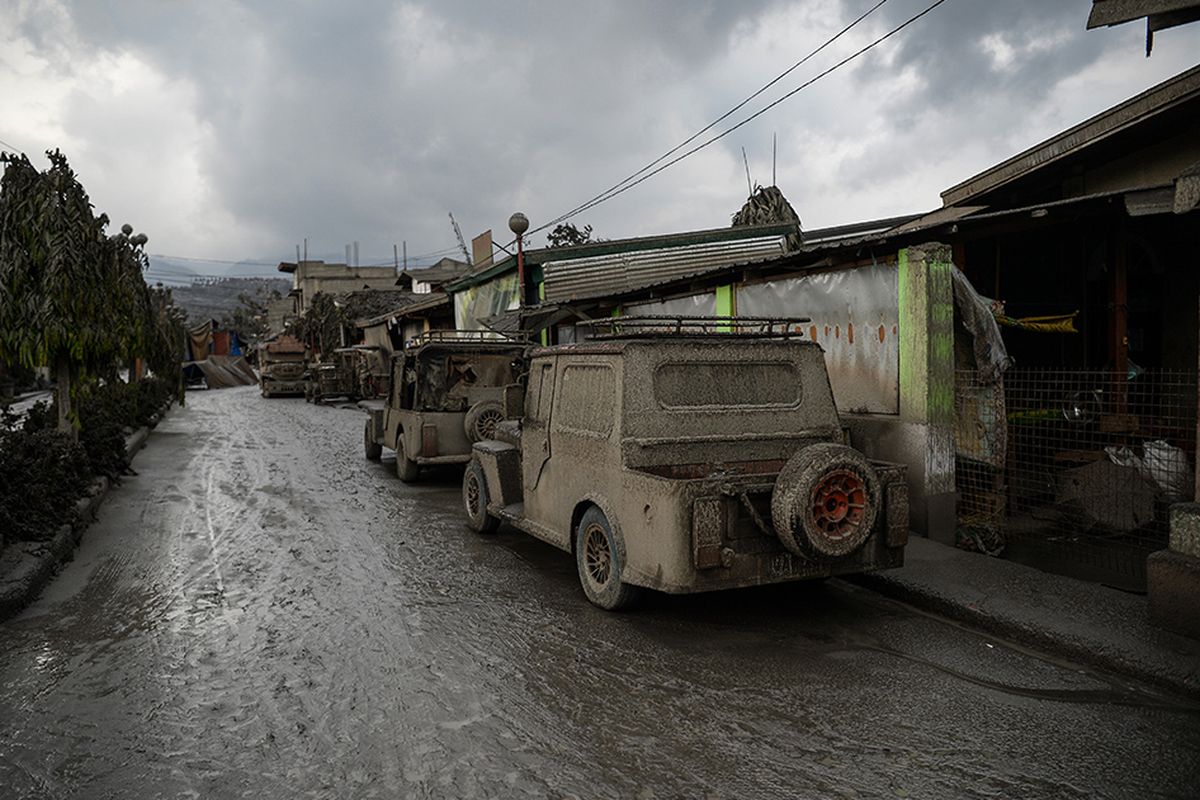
(774, 150)
(461, 244)
(749, 186)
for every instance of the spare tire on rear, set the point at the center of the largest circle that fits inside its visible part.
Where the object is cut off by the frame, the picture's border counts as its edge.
(481, 419)
(825, 501)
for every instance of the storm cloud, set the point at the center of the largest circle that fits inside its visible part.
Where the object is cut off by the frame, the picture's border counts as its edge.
(229, 130)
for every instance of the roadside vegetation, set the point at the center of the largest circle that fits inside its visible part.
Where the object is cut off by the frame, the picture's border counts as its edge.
(73, 300)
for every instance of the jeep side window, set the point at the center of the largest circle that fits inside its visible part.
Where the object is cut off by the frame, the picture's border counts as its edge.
(542, 394)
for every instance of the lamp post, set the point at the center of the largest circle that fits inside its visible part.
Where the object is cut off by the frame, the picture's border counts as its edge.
(518, 223)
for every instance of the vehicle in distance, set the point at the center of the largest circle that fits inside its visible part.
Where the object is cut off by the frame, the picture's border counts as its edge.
(281, 367)
(446, 394)
(687, 456)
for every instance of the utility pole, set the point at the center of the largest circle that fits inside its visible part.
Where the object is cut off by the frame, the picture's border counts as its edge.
(396, 258)
(405, 255)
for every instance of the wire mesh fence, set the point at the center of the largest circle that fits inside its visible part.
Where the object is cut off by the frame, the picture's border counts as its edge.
(1074, 470)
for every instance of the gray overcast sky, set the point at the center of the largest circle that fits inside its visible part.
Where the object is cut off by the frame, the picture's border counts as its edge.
(230, 130)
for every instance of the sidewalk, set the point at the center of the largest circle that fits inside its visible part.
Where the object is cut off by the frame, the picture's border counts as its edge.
(1084, 622)
(26, 567)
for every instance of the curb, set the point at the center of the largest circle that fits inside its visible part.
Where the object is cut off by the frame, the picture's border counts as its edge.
(41, 560)
(1014, 630)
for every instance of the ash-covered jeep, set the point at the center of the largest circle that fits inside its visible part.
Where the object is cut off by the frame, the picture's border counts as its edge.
(446, 393)
(685, 456)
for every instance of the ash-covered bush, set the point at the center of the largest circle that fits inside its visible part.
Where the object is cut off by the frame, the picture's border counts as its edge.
(42, 474)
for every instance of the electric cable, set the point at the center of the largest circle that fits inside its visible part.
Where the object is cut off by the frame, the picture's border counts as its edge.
(719, 119)
(613, 193)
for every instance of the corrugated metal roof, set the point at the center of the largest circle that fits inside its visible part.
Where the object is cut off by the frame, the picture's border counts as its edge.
(600, 276)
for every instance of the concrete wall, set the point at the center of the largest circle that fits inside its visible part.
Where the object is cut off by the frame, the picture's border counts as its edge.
(922, 436)
(313, 277)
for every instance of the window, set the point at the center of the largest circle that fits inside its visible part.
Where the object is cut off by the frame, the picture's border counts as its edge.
(541, 393)
(588, 403)
(727, 384)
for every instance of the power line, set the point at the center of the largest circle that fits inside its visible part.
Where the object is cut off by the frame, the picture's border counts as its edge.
(11, 146)
(604, 197)
(716, 121)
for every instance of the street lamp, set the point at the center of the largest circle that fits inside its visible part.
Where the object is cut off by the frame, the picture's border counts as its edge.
(518, 223)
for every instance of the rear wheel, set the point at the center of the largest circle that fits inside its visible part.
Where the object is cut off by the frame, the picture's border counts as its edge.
(407, 470)
(475, 500)
(373, 449)
(599, 560)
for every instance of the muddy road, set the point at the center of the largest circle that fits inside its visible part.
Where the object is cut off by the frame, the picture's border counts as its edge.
(262, 613)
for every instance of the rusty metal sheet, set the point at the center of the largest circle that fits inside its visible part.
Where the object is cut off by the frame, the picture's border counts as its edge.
(855, 318)
(696, 305)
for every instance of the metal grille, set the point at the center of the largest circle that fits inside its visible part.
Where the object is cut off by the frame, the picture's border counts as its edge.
(1074, 470)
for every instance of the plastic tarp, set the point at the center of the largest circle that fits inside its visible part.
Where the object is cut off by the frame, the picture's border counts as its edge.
(221, 372)
(485, 300)
(695, 305)
(200, 341)
(855, 317)
(975, 313)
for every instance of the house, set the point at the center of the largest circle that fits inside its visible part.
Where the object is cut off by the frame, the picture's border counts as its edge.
(557, 274)
(310, 278)
(434, 277)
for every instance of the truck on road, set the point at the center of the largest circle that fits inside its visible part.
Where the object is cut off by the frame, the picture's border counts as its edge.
(282, 363)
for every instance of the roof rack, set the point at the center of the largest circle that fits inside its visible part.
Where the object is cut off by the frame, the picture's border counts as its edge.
(683, 326)
(468, 337)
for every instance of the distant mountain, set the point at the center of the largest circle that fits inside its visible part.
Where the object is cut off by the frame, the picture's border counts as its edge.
(213, 298)
(169, 272)
(181, 272)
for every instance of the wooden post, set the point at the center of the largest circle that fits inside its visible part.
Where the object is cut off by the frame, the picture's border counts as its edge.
(1118, 318)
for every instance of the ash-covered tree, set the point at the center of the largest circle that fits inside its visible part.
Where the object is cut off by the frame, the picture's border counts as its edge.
(71, 297)
(566, 234)
(250, 318)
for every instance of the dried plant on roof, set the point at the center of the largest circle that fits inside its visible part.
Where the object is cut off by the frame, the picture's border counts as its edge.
(768, 206)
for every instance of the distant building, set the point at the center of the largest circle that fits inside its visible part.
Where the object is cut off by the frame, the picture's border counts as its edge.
(312, 277)
(433, 278)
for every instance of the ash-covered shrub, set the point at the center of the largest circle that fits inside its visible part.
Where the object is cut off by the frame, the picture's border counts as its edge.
(42, 474)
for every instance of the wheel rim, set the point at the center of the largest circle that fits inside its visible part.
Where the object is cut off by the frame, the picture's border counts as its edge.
(485, 426)
(597, 556)
(473, 494)
(839, 504)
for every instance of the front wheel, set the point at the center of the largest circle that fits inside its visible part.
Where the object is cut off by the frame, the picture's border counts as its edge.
(475, 500)
(599, 561)
(407, 470)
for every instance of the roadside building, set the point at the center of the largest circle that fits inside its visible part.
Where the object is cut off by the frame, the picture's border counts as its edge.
(310, 278)
(1029, 350)
(490, 292)
(427, 280)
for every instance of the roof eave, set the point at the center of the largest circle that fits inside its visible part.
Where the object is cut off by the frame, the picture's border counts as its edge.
(1168, 94)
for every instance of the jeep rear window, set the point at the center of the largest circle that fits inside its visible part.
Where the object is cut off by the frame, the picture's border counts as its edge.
(729, 384)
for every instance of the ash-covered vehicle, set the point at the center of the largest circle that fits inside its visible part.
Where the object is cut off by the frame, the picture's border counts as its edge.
(332, 377)
(282, 365)
(687, 455)
(372, 371)
(446, 393)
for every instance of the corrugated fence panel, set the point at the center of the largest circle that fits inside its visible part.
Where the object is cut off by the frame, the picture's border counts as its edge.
(601, 276)
(855, 317)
